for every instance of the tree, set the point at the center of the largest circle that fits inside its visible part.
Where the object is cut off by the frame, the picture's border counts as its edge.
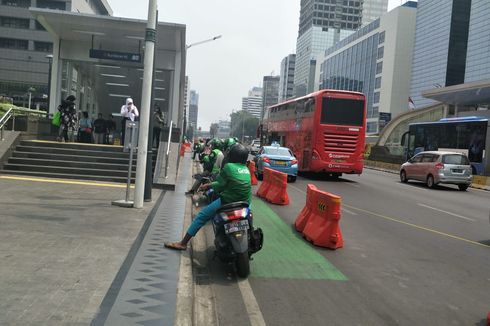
(243, 125)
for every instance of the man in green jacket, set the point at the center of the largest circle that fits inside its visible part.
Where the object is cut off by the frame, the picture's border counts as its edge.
(233, 185)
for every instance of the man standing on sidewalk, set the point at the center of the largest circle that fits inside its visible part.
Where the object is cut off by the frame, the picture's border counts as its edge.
(99, 129)
(128, 112)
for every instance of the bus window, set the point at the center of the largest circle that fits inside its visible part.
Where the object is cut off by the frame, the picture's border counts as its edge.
(337, 111)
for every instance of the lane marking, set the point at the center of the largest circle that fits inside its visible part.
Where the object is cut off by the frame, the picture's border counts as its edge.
(82, 183)
(419, 227)
(352, 184)
(409, 224)
(251, 304)
(449, 213)
(348, 211)
(287, 255)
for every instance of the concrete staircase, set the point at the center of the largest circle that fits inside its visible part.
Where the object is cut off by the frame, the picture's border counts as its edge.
(70, 161)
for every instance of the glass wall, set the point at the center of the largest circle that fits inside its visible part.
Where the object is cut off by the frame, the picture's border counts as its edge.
(478, 59)
(430, 54)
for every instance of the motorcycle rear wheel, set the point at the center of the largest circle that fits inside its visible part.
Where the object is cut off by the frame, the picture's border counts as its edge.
(242, 264)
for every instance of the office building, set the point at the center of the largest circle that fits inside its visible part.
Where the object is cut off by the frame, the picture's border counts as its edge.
(224, 129)
(376, 60)
(25, 45)
(477, 57)
(322, 24)
(286, 80)
(193, 108)
(253, 102)
(441, 41)
(270, 92)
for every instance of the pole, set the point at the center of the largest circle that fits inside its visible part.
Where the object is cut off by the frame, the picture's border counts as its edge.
(130, 168)
(49, 80)
(30, 94)
(145, 104)
(149, 156)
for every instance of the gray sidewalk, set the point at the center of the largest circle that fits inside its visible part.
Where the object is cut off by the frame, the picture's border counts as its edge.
(70, 258)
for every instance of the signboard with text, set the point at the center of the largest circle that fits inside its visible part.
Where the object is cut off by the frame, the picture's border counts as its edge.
(114, 55)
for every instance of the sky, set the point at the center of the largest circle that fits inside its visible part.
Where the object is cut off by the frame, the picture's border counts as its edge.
(256, 36)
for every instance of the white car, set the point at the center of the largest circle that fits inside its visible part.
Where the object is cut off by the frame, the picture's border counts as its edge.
(255, 146)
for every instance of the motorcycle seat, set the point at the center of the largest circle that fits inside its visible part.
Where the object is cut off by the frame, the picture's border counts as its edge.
(232, 206)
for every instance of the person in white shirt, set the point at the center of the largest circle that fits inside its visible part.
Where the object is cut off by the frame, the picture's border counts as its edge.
(128, 112)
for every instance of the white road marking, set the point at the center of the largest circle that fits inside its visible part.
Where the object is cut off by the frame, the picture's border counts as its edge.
(352, 184)
(449, 213)
(253, 309)
(413, 186)
(348, 211)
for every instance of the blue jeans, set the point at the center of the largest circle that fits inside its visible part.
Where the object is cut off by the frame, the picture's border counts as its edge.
(206, 214)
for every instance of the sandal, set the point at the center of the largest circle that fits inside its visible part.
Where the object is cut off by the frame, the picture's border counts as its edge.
(175, 246)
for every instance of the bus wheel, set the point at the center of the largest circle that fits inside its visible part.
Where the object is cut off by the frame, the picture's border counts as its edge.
(292, 178)
(430, 181)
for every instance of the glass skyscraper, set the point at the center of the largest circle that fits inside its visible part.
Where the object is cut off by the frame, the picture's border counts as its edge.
(478, 55)
(322, 24)
(369, 62)
(441, 40)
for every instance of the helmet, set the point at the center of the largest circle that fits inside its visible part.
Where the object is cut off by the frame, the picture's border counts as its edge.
(216, 143)
(238, 154)
(228, 143)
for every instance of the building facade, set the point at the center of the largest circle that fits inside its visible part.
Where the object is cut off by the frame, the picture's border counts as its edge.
(477, 57)
(376, 60)
(26, 46)
(224, 129)
(270, 92)
(193, 108)
(322, 24)
(253, 102)
(286, 79)
(441, 41)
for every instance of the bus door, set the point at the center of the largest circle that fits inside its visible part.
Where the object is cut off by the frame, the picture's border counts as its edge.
(408, 143)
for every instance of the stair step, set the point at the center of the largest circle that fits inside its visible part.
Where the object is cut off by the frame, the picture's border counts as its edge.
(66, 170)
(73, 158)
(72, 164)
(66, 176)
(68, 151)
(78, 146)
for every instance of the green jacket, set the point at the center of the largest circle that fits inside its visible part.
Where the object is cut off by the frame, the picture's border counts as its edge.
(233, 183)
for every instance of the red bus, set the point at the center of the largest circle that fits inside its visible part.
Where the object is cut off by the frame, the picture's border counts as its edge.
(326, 130)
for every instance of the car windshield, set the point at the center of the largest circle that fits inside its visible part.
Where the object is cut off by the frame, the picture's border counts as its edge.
(455, 159)
(277, 151)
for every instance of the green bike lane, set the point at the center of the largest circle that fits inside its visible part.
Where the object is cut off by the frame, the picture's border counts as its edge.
(389, 272)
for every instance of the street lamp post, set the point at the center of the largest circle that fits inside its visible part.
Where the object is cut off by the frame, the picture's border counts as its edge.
(184, 126)
(50, 61)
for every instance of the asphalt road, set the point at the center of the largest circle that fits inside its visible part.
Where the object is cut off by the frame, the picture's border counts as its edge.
(412, 256)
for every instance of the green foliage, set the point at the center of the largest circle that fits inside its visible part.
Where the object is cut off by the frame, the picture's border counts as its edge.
(243, 124)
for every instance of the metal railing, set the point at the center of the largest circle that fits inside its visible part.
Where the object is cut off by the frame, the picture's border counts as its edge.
(4, 119)
(168, 148)
(12, 112)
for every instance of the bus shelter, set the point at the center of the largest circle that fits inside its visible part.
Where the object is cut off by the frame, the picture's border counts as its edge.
(99, 59)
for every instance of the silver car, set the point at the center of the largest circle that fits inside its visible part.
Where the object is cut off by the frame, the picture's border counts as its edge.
(436, 167)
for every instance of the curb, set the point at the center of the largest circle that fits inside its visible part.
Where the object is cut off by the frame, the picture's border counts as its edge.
(195, 298)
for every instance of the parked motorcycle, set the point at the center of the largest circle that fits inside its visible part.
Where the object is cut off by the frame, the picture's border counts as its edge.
(235, 238)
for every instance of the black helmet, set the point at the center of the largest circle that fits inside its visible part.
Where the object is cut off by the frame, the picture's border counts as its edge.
(238, 154)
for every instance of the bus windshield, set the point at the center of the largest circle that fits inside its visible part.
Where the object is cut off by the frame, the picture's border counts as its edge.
(339, 111)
